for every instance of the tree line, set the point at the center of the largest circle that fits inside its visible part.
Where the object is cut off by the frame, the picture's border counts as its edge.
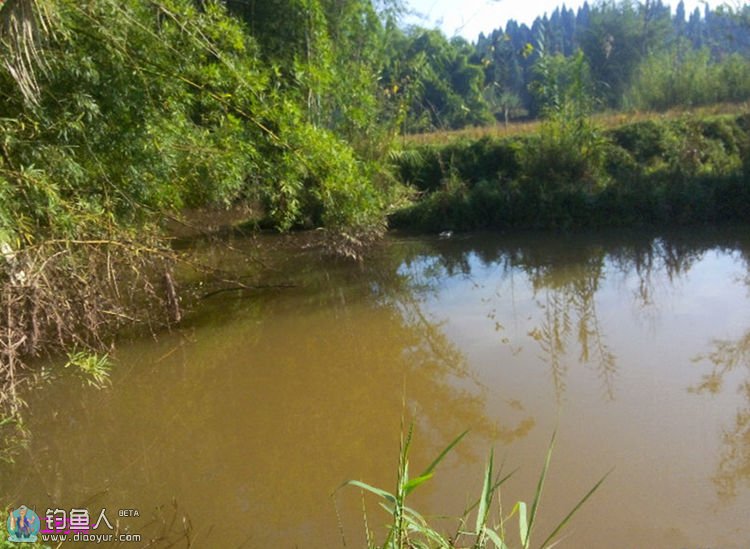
(635, 55)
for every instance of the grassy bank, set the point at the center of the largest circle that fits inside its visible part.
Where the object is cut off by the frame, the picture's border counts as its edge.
(605, 120)
(569, 173)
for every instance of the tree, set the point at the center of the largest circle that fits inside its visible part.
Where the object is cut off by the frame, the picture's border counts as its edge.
(146, 107)
(510, 105)
(446, 85)
(614, 43)
(22, 26)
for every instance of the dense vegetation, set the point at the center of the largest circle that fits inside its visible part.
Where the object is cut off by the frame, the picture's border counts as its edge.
(135, 109)
(571, 173)
(669, 172)
(153, 106)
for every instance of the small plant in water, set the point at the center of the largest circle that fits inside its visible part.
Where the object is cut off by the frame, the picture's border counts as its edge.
(409, 529)
(93, 367)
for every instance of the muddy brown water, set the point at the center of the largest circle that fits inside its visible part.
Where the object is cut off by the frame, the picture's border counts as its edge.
(235, 429)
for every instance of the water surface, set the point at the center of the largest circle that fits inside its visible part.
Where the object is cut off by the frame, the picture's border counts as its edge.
(235, 429)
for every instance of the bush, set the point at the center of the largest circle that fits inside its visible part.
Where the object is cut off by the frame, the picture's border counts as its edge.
(653, 172)
(475, 160)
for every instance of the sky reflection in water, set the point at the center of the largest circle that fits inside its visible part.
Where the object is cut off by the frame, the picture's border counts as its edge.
(247, 419)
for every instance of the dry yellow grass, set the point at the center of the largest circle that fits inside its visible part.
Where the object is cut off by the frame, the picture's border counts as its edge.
(605, 120)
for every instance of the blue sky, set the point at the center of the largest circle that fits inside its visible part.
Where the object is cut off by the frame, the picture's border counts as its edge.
(468, 18)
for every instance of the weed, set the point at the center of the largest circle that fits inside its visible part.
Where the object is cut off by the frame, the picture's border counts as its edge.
(409, 529)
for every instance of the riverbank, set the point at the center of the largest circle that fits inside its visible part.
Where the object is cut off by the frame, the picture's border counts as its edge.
(574, 174)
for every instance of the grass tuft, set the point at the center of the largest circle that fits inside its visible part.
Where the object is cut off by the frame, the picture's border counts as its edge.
(409, 529)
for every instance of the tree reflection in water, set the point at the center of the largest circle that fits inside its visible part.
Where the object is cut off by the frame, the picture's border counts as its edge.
(727, 358)
(406, 275)
(564, 279)
(566, 274)
(569, 311)
(235, 410)
(734, 461)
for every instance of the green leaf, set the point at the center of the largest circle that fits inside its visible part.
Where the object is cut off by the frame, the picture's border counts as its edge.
(413, 483)
(523, 523)
(575, 509)
(495, 486)
(486, 498)
(442, 455)
(540, 488)
(373, 490)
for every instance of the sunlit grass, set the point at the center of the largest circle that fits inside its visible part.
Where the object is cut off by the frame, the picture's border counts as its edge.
(482, 524)
(604, 120)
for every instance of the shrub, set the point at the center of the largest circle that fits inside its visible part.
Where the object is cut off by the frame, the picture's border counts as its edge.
(572, 175)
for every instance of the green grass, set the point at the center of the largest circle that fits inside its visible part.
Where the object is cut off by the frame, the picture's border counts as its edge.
(475, 528)
(669, 171)
(606, 120)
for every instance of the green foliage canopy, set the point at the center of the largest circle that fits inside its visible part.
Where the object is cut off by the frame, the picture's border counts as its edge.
(148, 107)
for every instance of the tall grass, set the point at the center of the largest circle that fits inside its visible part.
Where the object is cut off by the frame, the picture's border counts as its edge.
(475, 528)
(605, 120)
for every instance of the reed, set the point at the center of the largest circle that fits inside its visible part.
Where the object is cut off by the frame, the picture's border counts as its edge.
(475, 529)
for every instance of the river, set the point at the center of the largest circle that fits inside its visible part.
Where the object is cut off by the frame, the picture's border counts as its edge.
(235, 429)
